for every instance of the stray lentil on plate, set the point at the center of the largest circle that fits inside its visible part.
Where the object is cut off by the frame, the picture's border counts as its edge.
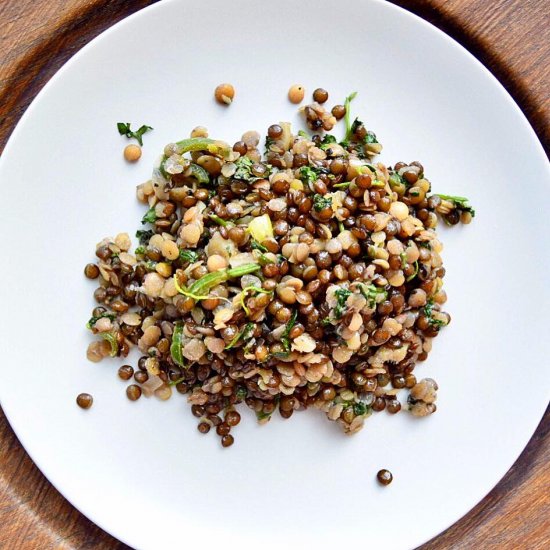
(385, 477)
(300, 275)
(84, 400)
(132, 152)
(224, 94)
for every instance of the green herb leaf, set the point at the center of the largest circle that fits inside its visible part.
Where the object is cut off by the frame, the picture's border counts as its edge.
(188, 256)
(327, 140)
(429, 311)
(371, 293)
(144, 235)
(268, 143)
(150, 216)
(370, 138)
(176, 347)
(244, 170)
(242, 392)
(342, 295)
(140, 250)
(93, 320)
(285, 340)
(360, 408)
(264, 417)
(125, 130)
(461, 203)
(304, 134)
(308, 175)
(320, 202)
(397, 182)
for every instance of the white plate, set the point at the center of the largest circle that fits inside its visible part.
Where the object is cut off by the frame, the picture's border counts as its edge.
(141, 470)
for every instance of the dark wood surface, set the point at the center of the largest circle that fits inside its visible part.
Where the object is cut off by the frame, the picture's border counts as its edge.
(511, 37)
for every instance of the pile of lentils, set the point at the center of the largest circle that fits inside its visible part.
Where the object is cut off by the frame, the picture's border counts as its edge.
(304, 275)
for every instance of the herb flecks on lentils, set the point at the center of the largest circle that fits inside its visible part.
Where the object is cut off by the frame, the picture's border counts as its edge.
(306, 276)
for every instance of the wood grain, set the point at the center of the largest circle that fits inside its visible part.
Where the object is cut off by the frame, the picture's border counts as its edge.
(511, 37)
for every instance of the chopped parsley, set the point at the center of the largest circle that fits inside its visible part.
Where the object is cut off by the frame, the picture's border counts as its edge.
(125, 130)
(93, 320)
(428, 312)
(395, 180)
(144, 235)
(370, 138)
(327, 140)
(461, 203)
(244, 170)
(241, 393)
(188, 256)
(140, 250)
(371, 293)
(308, 175)
(285, 340)
(360, 408)
(266, 416)
(268, 143)
(150, 216)
(342, 295)
(321, 202)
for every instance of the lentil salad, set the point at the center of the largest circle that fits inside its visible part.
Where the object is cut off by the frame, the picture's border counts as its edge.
(304, 275)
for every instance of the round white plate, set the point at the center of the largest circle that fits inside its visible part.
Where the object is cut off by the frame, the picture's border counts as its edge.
(141, 470)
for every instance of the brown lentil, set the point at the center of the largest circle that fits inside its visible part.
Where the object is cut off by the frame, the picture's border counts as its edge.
(125, 372)
(133, 392)
(320, 95)
(384, 477)
(84, 400)
(91, 271)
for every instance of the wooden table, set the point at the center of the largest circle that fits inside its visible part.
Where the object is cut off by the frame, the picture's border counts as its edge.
(511, 37)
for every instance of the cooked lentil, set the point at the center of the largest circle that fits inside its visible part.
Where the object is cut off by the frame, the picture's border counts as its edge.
(310, 276)
(296, 93)
(84, 400)
(224, 94)
(132, 152)
(125, 372)
(385, 477)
